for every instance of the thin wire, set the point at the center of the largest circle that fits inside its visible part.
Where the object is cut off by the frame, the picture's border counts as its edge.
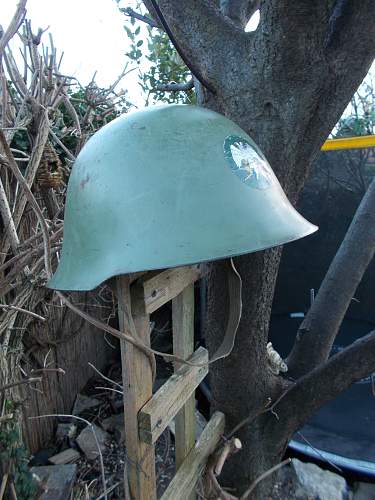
(325, 459)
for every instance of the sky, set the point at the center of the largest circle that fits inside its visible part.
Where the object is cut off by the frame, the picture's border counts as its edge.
(91, 34)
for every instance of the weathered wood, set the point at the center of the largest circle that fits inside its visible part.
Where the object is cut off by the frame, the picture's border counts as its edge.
(166, 285)
(70, 343)
(65, 457)
(156, 414)
(185, 480)
(137, 383)
(183, 346)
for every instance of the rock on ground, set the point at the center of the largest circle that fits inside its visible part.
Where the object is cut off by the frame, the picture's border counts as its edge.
(86, 441)
(320, 483)
(65, 431)
(364, 491)
(307, 480)
(115, 424)
(83, 403)
(56, 480)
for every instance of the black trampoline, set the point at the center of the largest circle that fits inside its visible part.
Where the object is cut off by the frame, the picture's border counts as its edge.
(343, 431)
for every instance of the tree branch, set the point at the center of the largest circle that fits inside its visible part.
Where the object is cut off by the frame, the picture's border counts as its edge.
(346, 19)
(317, 332)
(128, 11)
(325, 383)
(14, 25)
(174, 87)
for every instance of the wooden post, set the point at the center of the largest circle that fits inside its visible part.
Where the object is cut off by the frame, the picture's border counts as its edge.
(137, 383)
(147, 415)
(183, 346)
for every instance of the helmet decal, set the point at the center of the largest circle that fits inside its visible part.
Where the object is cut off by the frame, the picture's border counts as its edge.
(247, 164)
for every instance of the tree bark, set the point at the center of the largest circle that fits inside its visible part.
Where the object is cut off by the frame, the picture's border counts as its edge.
(286, 85)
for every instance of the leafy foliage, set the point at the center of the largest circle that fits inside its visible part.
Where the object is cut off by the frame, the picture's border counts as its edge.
(158, 62)
(14, 459)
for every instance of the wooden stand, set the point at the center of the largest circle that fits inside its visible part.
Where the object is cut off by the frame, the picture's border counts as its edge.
(147, 415)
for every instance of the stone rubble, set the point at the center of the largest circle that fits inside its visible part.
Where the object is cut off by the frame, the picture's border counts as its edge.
(363, 491)
(87, 443)
(55, 481)
(83, 403)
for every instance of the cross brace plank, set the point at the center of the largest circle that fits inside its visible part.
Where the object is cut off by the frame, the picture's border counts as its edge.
(185, 480)
(166, 285)
(157, 413)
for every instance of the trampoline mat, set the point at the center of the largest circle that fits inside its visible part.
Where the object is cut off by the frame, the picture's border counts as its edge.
(345, 427)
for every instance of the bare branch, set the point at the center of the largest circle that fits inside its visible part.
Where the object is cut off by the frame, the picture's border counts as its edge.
(6, 215)
(24, 311)
(28, 197)
(106, 378)
(174, 87)
(128, 11)
(270, 471)
(14, 25)
(29, 380)
(317, 332)
(325, 383)
(62, 146)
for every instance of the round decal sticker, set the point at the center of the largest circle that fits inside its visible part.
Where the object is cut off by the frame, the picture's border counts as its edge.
(246, 163)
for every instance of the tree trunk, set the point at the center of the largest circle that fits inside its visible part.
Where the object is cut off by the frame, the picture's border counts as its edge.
(242, 383)
(286, 85)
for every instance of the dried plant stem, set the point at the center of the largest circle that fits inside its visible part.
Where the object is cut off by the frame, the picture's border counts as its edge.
(232, 446)
(30, 198)
(3, 485)
(14, 25)
(21, 310)
(6, 215)
(29, 380)
(32, 167)
(62, 146)
(270, 471)
(104, 377)
(13, 491)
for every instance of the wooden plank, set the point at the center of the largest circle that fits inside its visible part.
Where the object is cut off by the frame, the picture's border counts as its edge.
(156, 414)
(137, 383)
(166, 285)
(65, 457)
(184, 482)
(183, 346)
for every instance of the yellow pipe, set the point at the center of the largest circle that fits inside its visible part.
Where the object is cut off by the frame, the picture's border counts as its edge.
(364, 141)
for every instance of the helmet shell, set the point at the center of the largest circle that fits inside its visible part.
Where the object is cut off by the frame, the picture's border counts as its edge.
(169, 186)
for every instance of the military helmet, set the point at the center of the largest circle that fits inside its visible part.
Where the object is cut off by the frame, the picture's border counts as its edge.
(169, 186)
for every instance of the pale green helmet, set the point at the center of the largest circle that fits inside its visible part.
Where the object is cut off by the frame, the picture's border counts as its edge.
(169, 186)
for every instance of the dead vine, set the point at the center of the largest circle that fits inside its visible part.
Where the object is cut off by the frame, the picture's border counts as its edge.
(45, 119)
